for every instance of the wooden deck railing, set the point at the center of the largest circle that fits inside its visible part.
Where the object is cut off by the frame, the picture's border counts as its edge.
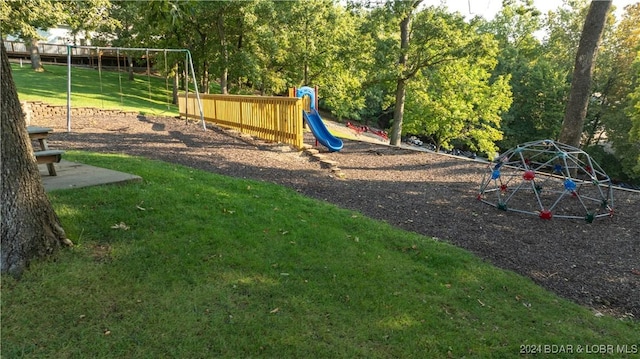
(277, 119)
(18, 47)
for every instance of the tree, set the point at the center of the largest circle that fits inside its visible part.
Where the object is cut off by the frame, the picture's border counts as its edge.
(24, 18)
(611, 109)
(88, 16)
(405, 10)
(139, 24)
(632, 159)
(538, 83)
(563, 28)
(334, 55)
(429, 38)
(459, 102)
(212, 31)
(576, 109)
(30, 227)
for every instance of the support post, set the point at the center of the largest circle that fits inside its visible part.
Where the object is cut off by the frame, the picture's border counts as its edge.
(68, 88)
(315, 89)
(195, 86)
(186, 88)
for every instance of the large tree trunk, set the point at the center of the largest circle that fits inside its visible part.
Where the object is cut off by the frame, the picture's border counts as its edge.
(398, 113)
(576, 110)
(30, 227)
(34, 54)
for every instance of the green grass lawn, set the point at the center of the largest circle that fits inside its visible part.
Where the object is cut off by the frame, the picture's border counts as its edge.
(189, 264)
(89, 89)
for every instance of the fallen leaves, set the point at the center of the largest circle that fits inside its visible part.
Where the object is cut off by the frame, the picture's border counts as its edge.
(120, 225)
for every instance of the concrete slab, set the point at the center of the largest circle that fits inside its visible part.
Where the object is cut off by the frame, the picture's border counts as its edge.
(77, 175)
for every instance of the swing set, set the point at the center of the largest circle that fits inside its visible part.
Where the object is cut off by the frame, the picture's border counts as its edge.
(188, 67)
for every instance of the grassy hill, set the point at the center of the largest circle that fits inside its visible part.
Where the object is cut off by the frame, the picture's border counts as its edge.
(93, 88)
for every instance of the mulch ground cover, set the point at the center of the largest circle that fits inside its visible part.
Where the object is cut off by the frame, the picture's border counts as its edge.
(594, 264)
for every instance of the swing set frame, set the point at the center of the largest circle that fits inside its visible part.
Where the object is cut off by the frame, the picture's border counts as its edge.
(188, 65)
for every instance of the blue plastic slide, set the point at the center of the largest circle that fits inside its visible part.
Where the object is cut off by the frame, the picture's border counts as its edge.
(321, 132)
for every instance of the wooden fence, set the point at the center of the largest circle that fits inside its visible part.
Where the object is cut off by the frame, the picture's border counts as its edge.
(271, 118)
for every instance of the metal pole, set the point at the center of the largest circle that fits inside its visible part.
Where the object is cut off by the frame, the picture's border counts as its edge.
(186, 86)
(193, 73)
(148, 75)
(68, 88)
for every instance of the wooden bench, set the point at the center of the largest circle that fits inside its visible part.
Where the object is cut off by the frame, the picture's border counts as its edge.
(45, 155)
(49, 157)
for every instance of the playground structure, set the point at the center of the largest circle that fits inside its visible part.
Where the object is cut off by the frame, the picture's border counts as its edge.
(548, 179)
(313, 119)
(188, 67)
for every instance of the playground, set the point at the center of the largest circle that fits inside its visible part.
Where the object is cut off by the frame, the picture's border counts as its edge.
(594, 264)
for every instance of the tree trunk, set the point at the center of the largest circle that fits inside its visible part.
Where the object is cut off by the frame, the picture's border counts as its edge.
(204, 84)
(225, 55)
(130, 60)
(30, 227)
(305, 62)
(34, 54)
(576, 110)
(176, 84)
(395, 138)
(398, 113)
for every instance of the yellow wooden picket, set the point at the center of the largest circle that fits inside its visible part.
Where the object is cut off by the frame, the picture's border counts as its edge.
(271, 118)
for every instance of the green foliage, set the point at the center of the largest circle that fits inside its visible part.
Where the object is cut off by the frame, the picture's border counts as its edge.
(539, 85)
(128, 26)
(631, 154)
(86, 16)
(458, 103)
(539, 95)
(615, 113)
(192, 264)
(344, 73)
(563, 27)
(453, 97)
(608, 161)
(262, 55)
(439, 41)
(24, 18)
